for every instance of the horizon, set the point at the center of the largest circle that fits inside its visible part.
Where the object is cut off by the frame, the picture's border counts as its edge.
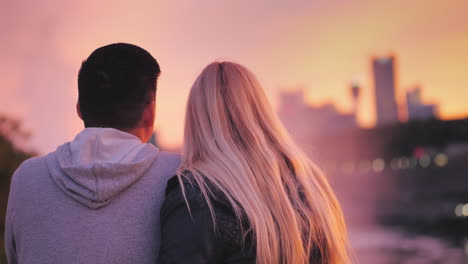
(322, 46)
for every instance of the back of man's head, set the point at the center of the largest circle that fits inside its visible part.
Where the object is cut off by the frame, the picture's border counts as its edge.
(115, 84)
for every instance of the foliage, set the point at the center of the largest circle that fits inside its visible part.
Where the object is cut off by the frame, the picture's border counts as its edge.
(11, 135)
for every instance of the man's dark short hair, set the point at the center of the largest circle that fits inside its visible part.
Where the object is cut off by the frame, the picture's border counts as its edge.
(115, 84)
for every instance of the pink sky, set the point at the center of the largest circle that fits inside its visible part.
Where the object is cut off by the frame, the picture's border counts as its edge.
(320, 45)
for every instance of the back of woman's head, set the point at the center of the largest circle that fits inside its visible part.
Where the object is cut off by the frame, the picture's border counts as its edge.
(234, 141)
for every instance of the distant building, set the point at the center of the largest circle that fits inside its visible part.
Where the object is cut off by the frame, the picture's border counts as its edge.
(293, 113)
(416, 109)
(327, 119)
(384, 84)
(355, 95)
(304, 121)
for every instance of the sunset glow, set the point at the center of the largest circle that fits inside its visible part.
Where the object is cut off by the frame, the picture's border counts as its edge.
(321, 46)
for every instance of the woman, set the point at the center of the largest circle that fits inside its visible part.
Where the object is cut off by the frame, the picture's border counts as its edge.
(245, 193)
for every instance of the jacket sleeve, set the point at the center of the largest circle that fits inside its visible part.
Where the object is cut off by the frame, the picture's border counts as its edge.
(187, 237)
(10, 246)
(9, 235)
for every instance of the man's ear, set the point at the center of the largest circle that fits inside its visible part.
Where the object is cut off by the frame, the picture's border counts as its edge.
(78, 110)
(149, 114)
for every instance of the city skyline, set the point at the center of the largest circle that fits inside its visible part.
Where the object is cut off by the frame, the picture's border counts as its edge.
(388, 109)
(322, 45)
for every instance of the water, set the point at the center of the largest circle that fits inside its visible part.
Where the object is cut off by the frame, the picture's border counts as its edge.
(384, 245)
(423, 199)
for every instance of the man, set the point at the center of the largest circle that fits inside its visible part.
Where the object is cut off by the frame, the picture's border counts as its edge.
(97, 198)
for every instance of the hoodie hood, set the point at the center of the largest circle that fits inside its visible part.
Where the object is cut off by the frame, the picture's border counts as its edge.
(99, 163)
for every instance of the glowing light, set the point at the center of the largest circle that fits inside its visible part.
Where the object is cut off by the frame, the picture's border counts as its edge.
(413, 162)
(378, 165)
(425, 161)
(404, 163)
(459, 210)
(441, 160)
(418, 152)
(465, 210)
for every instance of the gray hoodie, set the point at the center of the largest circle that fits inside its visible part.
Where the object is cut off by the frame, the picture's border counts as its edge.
(94, 200)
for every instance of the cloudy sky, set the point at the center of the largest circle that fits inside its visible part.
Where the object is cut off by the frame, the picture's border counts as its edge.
(318, 45)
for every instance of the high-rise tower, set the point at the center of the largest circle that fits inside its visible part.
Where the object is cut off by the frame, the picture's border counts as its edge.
(384, 85)
(355, 94)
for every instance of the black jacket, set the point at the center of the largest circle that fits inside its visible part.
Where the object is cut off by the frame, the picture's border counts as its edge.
(191, 238)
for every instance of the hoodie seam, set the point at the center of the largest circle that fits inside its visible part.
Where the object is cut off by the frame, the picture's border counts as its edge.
(135, 147)
(96, 151)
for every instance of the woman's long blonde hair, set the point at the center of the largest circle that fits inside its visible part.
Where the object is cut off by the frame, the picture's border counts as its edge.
(234, 141)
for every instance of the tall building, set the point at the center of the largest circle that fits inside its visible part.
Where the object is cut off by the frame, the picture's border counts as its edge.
(384, 85)
(416, 109)
(355, 95)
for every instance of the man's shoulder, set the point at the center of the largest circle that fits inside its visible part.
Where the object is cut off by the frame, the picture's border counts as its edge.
(34, 164)
(169, 156)
(165, 164)
(168, 159)
(29, 174)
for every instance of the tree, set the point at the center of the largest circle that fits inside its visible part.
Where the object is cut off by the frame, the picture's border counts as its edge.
(12, 135)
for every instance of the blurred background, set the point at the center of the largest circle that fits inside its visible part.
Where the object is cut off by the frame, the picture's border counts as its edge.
(374, 91)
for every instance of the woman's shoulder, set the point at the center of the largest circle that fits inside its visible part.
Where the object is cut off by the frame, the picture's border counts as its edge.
(188, 233)
(231, 229)
(176, 187)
